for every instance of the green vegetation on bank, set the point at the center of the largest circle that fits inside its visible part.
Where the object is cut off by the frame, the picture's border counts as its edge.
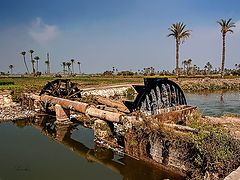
(19, 85)
(214, 150)
(34, 84)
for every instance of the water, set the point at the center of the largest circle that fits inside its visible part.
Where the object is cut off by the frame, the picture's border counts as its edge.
(44, 151)
(215, 104)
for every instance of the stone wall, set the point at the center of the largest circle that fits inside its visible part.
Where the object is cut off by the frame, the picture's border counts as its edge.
(5, 99)
(107, 91)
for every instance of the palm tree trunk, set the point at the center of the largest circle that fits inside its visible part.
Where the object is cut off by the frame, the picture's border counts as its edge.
(48, 64)
(72, 68)
(64, 69)
(79, 66)
(24, 59)
(223, 54)
(37, 65)
(33, 68)
(177, 59)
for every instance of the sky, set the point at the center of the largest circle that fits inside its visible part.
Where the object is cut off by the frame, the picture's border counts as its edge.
(125, 34)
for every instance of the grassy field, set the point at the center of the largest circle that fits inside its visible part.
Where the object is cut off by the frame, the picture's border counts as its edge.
(34, 84)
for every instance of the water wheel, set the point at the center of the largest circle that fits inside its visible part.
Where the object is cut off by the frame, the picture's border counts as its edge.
(157, 93)
(62, 88)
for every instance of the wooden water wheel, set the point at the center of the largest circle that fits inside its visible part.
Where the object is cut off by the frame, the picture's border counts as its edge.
(62, 88)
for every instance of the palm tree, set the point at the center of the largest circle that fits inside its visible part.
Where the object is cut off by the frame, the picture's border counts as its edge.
(48, 64)
(189, 63)
(32, 61)
(11, 68)
(24, 59)
(68, 64)
(180, 34)
(208, 67)
(72, 61)
(79, 67)
(36, 58)
(226, 26)
(64, 64)
(184, 66)
(236, 66)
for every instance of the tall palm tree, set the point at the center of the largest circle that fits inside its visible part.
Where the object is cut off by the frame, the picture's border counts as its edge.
(79, 67)
(64, 64)
(32, 61)
(11, 68)
(36, 58)
(68, 64)
(226, 26)
(72, 61)
(47, 64)
(24, 59)
(189, 63)
(180, 34)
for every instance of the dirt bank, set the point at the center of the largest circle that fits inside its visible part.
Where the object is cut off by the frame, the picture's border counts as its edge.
(209, 84)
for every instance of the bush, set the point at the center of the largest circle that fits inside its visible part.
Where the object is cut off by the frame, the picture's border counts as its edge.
(4, 83)
(214, 151)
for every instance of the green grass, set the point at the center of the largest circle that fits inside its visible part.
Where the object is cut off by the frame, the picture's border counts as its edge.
(4, 82)
(35, 84)
(19, 85)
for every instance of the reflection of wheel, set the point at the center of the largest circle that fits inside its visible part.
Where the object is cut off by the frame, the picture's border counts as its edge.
(157, 94)
(62, 88)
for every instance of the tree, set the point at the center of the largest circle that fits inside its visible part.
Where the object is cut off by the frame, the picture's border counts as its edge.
(79, 67)
(24, 60)
(188, 63)
(11, 68)
(36, 58)
(208, 67)
(68, 64)
(180, 34)
(236, 66)
(72, 61)
(64, 67)
(32, 61)
(184, 66)
(48, 64)
(226, 26)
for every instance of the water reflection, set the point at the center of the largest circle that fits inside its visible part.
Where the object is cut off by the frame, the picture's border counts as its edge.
(127, 167)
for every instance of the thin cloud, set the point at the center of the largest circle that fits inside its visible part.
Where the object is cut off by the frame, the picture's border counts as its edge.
(41, 32)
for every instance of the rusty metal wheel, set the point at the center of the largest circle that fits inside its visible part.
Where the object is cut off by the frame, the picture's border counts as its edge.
(62, 88)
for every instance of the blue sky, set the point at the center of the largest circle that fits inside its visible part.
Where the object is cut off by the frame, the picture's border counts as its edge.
(126, 34)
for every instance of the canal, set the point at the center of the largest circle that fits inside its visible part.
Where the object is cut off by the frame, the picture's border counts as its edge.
(43, 151)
